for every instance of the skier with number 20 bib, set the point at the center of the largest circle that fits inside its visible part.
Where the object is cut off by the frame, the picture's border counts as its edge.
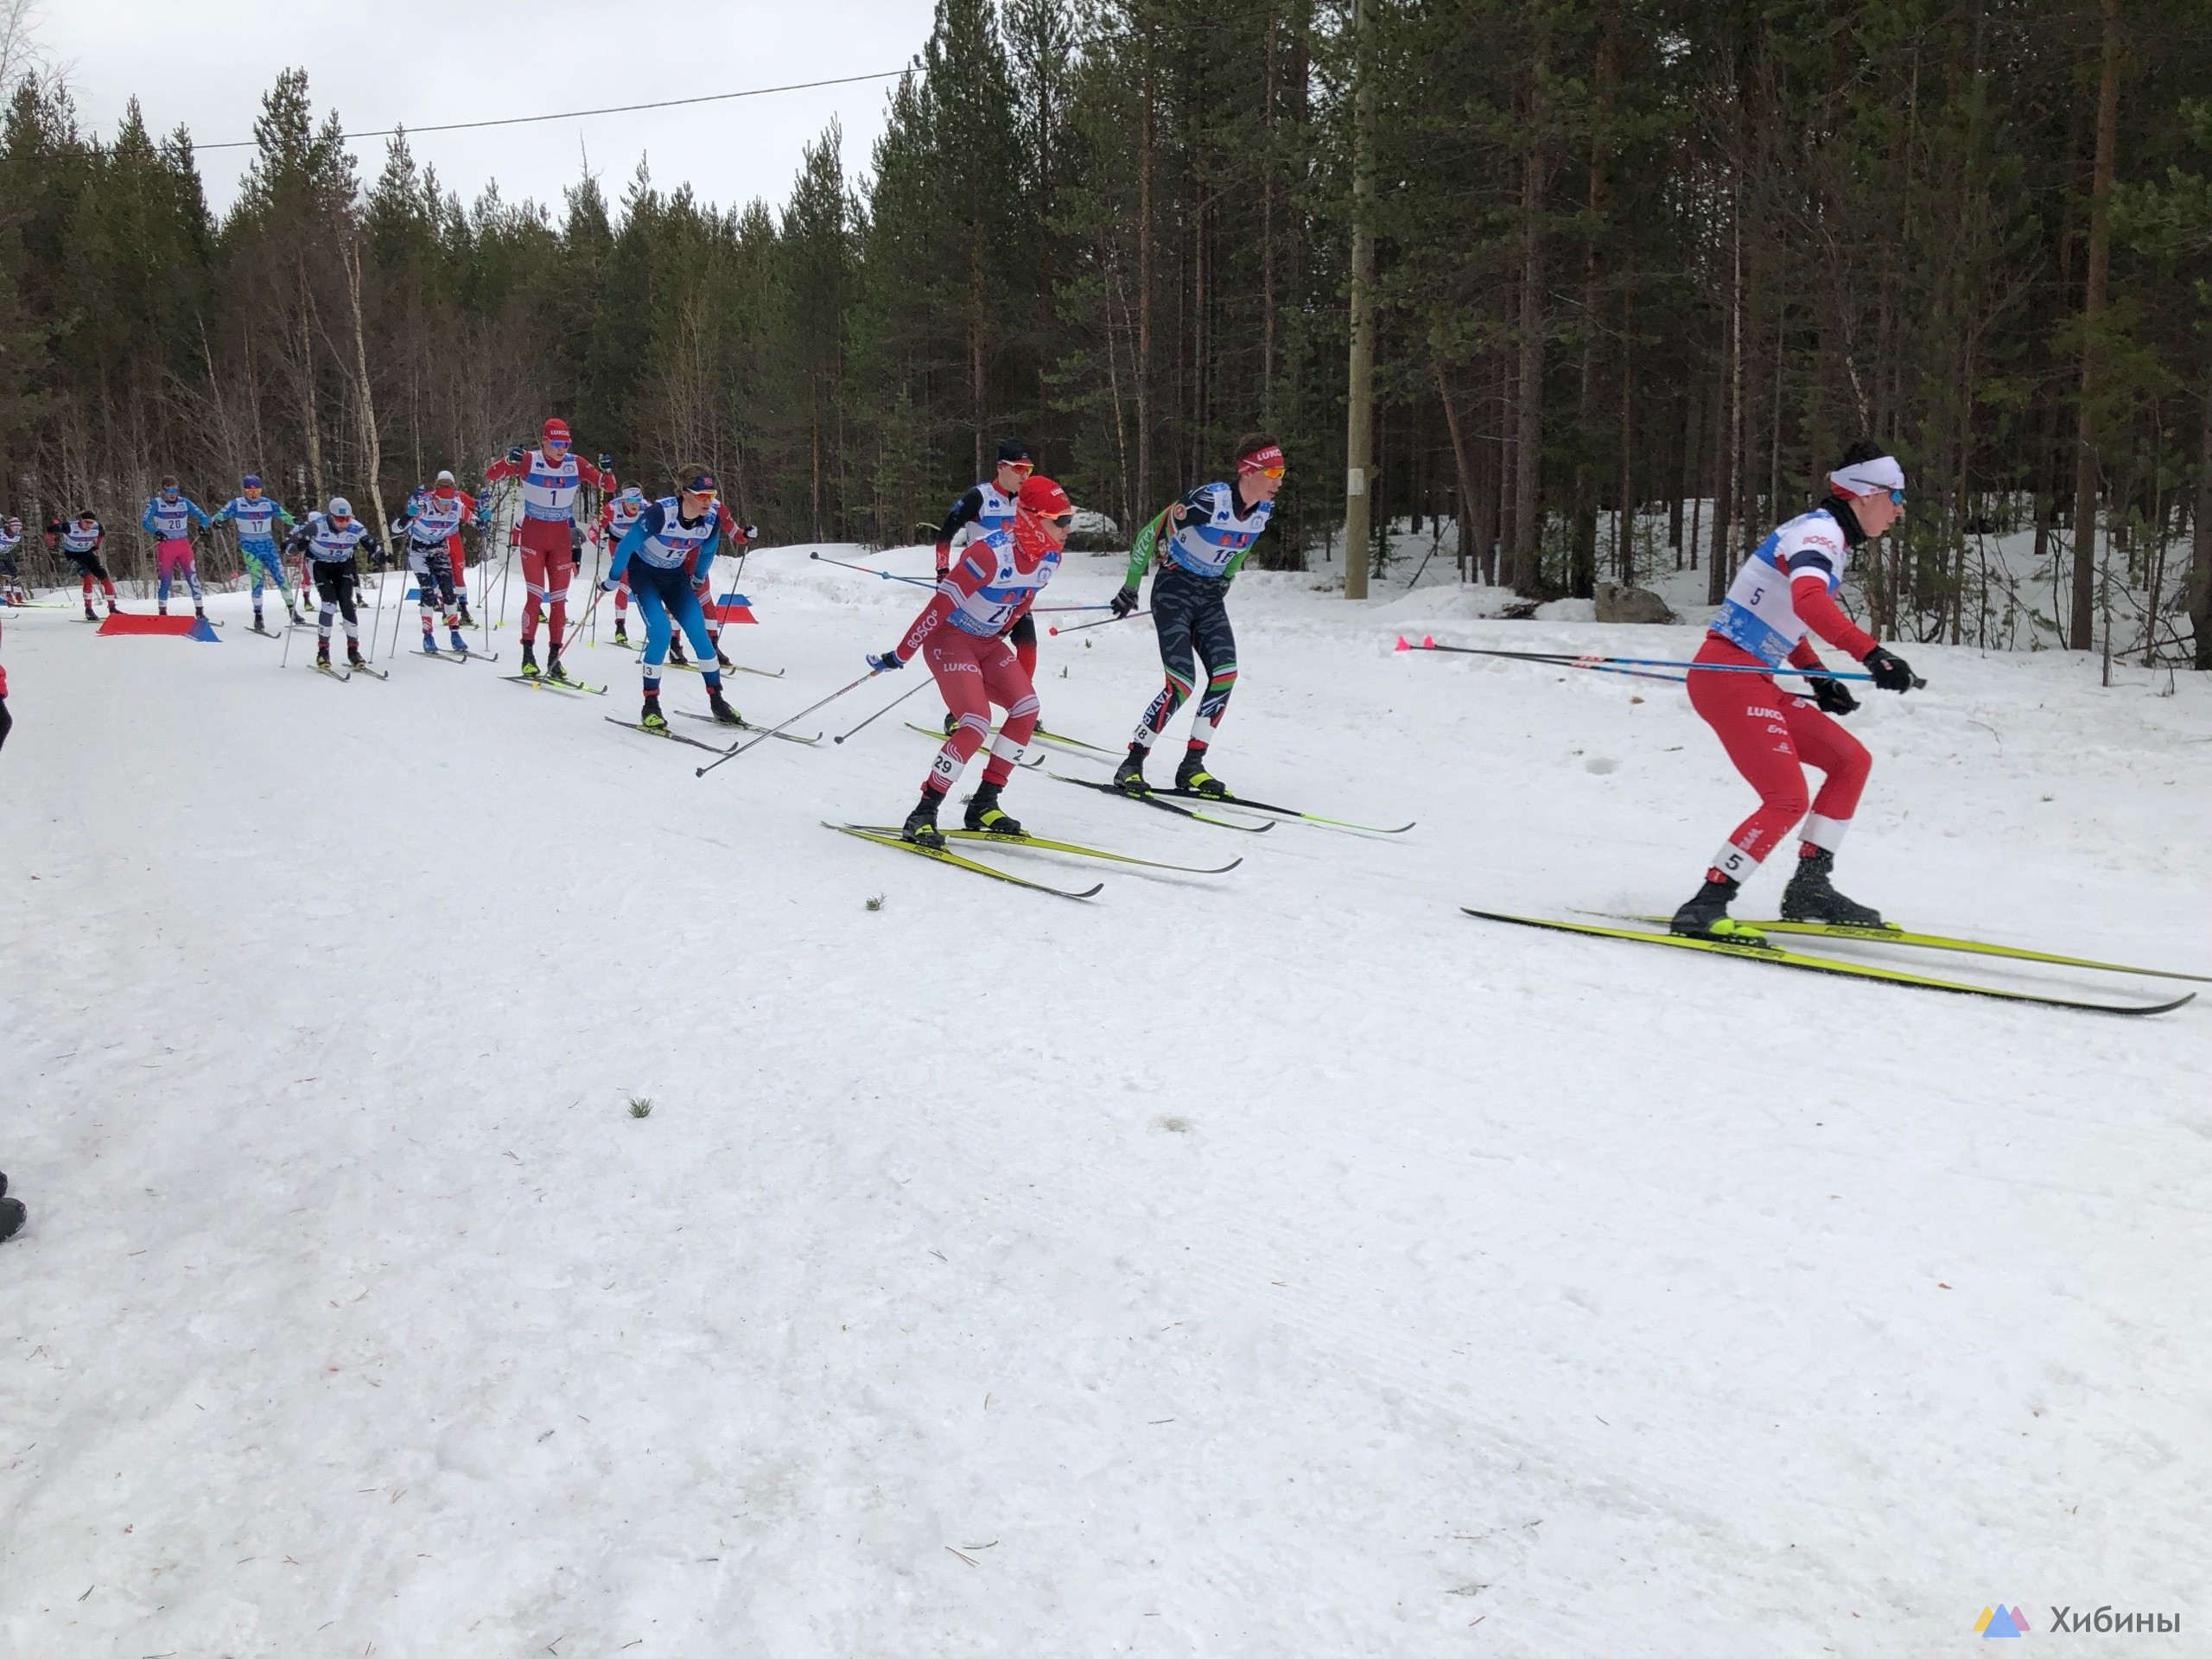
(1785, 593)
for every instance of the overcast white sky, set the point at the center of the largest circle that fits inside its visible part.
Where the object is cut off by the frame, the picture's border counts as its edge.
(382, 63)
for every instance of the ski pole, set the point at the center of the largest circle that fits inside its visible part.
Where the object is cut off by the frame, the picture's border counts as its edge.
(1033, 609)
(1566, 659)
(1107, 622)
(736, 749)
(886, 709)
(870, 570)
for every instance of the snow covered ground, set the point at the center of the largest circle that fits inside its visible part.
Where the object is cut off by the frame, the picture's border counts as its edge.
(1281, 1263)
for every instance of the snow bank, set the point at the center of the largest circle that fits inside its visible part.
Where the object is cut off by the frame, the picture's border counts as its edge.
(1280, 1263)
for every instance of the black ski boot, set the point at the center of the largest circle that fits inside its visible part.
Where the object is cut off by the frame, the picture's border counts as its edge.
(621, 634)
(1128, 777)
(718, 706)
(1192, 778)
(467, 621)
(11, 1212)
(951, 722)
(322, 654)
(554, 672)
(353, 657)
(529, 659)
(920, 827)
(1811, 897)
(983, 813)
(724, 663)
(1706, 916)
(676, 657)
(653, 720)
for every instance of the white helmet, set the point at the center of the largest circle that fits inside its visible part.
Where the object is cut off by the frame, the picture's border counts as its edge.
(444, 476)
(341, 507)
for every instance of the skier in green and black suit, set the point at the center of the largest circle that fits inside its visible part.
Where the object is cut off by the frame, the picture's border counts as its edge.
(1198, 543)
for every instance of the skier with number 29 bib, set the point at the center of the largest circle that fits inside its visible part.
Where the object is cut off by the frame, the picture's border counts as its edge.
(1785, 594)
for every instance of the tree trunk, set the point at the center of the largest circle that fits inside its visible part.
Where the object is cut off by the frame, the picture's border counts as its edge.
(1528, 446)
(2081, 624)
(1624, 535)
(1463, 470)
(2200, 561)
(1143, 370)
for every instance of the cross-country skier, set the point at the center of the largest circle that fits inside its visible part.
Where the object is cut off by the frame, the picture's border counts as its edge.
(734, 538)
(616, 515)
(78, 539)
(1199, 542)
(657, 555)
(1786, 588)
(167, 518)
(256, 516)
(987, 507)
(995, 581)
(11, 580)
(549, 477)
(432, 520)
(331, 542)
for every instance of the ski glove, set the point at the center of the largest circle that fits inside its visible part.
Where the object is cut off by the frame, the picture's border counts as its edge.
(885, 663)
(606, 463)
(1889, 671)
(1833, 696)
(1123, 602)
(610, 584)
(514, 455)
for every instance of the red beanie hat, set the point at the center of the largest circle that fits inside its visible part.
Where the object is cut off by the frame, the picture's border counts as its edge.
(1045, 498)
(555, 428)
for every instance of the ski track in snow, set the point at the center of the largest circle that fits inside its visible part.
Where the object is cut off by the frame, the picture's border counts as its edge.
(1274, 1263)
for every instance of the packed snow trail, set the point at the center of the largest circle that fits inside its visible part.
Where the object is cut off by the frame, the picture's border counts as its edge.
(1270, 1263)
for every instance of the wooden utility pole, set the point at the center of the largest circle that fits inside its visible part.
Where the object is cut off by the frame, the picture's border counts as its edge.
(1359, 396)
(2081, 626)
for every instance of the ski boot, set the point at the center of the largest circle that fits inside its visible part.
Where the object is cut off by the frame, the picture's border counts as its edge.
(161, 607)
(621, 635)
(1810, 897)
(1128, 777)
(90, 615)
(983, 813)
(11, 1212)
(353, 657)
(1706, 916)
(951, 722)
(528, 669)
(653, 720)
(460, 644)
(554, 672)
(429, 643)
(259, 626)
(467, 621)
(718, 706)
(676, 657)
(920, 827)
(724, 663)
(200, 611)
(1192, 778)
(322, 654)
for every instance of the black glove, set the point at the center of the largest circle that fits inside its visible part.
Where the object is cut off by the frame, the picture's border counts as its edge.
(607, 463)
(1890, 672)
(752, 532)
(1833, 696)
(514, 455)
(1123, 602)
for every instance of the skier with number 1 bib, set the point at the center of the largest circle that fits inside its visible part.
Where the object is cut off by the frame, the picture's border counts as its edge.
(962, 629)
(1785, 594)
(1198, 543)
(549, 477)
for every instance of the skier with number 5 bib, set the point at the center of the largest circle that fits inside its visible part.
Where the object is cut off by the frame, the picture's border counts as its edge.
(1785, 594)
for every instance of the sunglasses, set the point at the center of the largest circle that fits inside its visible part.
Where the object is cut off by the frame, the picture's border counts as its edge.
(1271, 471)
(1063, 519)
(1897, 496)
(555, 443)
(1020, 466)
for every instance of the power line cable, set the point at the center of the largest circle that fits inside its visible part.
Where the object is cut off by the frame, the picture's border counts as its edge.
(572, 114)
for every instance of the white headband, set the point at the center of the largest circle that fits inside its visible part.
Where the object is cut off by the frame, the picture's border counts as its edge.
(1868, 477)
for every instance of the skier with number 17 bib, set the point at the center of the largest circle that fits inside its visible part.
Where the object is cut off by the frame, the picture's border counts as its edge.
(1785, 593)
(1198, 543)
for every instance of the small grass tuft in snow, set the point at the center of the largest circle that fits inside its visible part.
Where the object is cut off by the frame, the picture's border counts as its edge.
(876, 902)
(1172, 1125)
(640, 1106)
